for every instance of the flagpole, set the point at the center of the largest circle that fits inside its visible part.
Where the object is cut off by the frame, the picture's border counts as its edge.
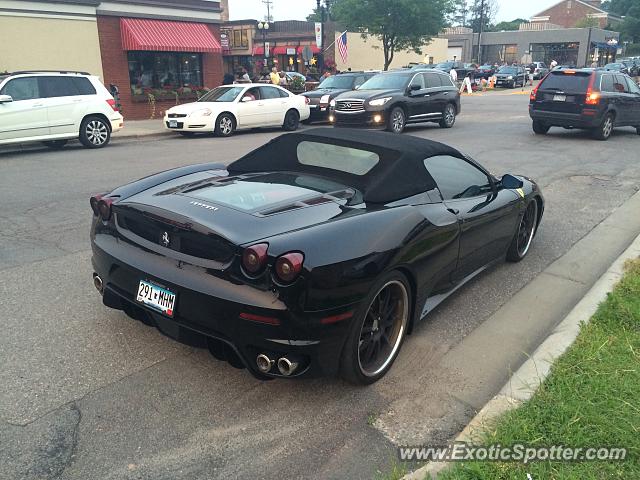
(332, 43)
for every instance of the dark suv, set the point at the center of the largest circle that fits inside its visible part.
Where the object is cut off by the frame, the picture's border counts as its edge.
(391, 100)
(595, 100)
(330, 88)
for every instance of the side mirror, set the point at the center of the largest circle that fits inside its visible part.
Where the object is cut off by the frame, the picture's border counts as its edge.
(510, 182)
(357, 87)
(246, 99)
(5, 99)
(415, 87)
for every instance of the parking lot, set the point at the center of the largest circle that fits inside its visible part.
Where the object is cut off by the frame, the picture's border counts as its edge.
(89, 393)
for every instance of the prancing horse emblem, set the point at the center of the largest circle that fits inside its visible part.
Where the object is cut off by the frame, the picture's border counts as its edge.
(165, 240)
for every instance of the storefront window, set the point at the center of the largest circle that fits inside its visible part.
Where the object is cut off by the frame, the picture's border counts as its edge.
(563, 53)
(165, 70)
(240, 38)
(500, 54)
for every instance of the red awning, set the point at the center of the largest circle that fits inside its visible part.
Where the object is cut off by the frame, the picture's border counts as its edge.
(314, 49)
(167, 36)
(283, 50)
(258, 51)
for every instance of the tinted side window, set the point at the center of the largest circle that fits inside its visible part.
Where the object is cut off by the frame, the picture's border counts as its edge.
(22, 89)
(633, 86)
(432, 80)
(606, 84)
(283, 94)
(457, 178)
(418, 80)
(268, 93)
(620, 85)
(58, 87)
(83, 85)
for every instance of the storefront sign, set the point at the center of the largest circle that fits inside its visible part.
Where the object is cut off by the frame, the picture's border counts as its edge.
(291, 51)
(266, 49)
(224, 40)
(319, 34)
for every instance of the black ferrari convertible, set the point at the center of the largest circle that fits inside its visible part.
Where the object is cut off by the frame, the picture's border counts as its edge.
(314, 254)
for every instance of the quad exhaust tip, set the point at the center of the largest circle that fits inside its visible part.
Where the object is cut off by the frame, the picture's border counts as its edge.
(97, 282)
(264, 363)
(286, 366)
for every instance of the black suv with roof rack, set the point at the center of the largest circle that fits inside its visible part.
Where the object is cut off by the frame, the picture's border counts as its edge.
(391, 100)
(591, 99)
(330, 88)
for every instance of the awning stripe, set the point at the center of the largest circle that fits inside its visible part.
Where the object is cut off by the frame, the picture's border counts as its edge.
(167, 36)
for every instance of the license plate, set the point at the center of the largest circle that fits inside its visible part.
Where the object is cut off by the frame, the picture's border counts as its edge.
(156, 297)
(173, 124)
(559, 98)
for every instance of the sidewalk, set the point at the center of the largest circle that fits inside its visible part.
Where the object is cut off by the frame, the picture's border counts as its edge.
(141, 128)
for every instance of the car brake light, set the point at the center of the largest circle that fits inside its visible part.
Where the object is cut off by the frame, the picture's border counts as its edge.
(534, 94)
(569, 72)
(592, 98)
(289, 266)
(103, 207)
(112, 104)
(254, 258)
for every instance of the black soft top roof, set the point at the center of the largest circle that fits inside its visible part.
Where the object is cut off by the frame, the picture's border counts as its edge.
(400, 173)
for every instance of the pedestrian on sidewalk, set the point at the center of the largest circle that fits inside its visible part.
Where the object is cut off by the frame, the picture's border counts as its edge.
(275, 76)
(466, 83)
(454, 75)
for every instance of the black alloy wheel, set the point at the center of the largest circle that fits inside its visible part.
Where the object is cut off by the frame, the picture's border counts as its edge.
(521, 243)
(225, 125)
(448, 116)
(378, 331)
(397, 120)
(94, 132)
(603, 132)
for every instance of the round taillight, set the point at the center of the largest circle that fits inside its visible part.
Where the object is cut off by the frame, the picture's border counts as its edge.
(104, 208)
(93, 201)
(289, 266)
(254, 258)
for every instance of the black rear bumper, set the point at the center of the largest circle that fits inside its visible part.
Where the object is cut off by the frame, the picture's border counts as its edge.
(568, 120)
(205, 320)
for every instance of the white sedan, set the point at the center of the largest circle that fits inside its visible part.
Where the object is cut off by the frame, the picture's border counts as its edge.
(230, 107)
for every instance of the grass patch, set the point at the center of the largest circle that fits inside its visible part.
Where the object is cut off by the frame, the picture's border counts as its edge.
(590, 399)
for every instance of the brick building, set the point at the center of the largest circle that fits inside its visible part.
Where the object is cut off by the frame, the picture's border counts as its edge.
(159, 52)
(575, 13)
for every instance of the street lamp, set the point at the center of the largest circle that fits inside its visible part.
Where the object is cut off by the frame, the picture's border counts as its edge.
(264, 28)
(321, 55)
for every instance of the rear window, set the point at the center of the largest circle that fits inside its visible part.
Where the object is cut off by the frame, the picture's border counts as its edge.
(576, 82)
(336, 157)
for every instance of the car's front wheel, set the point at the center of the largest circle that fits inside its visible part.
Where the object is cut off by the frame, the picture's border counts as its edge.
(397, 120)
(448, 116)
(603, 132)
(378, 331)
(540, 128)
(225, 125)
(94, 132)
(521, 243)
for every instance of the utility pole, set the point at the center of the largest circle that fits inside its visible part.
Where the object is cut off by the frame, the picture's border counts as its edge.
(269, 4)
(479, 59)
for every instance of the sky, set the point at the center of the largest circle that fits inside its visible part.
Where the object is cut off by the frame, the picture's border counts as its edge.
(299, 9)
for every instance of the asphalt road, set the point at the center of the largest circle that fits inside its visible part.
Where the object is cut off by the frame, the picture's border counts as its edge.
(89, 393)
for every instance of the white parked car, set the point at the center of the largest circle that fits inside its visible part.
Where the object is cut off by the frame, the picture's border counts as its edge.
(225, 109)
(55, 107)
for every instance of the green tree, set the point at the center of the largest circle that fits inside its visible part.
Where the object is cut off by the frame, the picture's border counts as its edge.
(620, 7)
(482, 11)
(587, 22)
(460, 16)
(399, 24)
(508, 26)
(316, 17)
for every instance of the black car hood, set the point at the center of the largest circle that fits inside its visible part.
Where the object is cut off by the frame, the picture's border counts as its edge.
(320, 92)
(367, 94)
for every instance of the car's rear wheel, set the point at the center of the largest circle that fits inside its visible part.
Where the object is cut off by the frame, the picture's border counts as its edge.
(291, 121)
(94, 132)
(397, 120)
(225, 125)
(540, 128)
(521, 243)
(448, 116)
(55, 144)
(378, 331)
(603, 132)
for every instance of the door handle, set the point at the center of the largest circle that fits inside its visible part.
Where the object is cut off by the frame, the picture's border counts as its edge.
(36, 105)
(78, 100)
(446, 93)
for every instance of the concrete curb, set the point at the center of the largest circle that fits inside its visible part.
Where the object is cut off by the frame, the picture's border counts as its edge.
(526, 380)
(137, 136)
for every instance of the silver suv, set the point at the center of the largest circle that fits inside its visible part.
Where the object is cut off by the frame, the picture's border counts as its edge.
(55, 107)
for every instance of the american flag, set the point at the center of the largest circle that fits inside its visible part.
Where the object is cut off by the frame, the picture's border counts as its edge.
(342, 47)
